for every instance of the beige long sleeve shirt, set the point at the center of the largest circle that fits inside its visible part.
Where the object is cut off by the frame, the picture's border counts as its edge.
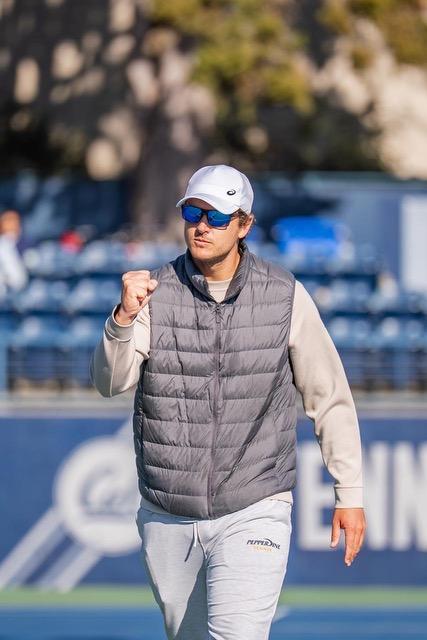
(318, 375)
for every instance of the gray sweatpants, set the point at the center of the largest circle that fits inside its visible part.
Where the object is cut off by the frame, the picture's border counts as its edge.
(217, 579)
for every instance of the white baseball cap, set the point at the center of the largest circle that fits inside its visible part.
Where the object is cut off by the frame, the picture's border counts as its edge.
(221, 186)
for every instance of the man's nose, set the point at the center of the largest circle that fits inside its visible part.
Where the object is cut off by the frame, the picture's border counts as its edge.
(203, 224)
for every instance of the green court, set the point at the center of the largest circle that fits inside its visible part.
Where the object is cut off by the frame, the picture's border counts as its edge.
(107, 613)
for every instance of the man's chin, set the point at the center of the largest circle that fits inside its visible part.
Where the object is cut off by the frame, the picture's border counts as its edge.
(204, 254)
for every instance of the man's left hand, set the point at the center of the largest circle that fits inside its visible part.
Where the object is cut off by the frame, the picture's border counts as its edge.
(354, 524)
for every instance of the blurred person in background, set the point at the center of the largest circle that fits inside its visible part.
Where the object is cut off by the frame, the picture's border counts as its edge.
(218, 342)
(71, 241)
(13, 274)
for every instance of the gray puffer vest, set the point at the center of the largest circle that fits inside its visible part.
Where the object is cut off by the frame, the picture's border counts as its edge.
(215, 411)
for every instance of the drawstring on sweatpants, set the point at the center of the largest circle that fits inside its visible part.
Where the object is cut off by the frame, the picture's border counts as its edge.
(195, 534)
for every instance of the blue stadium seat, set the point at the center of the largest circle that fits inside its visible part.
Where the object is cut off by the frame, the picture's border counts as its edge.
(77, 346)
(48, 259)
(310, 235)
(402, 303)
(267, 251)
(33, 352)
(398, 344)
(41, 296)
(382, 339)
(150, 255)
(92, 295)
(36, 331)
(93, 259)
(353, 339)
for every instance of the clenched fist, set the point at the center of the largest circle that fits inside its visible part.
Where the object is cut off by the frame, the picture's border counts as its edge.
(137, 288)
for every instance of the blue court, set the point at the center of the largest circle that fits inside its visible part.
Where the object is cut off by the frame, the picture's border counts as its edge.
(146, 624)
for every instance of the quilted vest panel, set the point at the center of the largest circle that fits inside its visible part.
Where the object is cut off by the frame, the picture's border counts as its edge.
(215, 407)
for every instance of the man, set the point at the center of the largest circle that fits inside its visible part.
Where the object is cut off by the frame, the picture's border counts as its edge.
(13, 274)
(218, 342)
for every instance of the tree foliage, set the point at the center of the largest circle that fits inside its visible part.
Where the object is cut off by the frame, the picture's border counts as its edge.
(403, 24)
(152, 88)
(245, 52)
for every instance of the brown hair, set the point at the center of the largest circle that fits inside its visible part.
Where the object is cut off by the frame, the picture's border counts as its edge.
(243, 217)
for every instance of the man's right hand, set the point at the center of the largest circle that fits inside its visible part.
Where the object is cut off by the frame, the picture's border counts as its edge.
(137, 288)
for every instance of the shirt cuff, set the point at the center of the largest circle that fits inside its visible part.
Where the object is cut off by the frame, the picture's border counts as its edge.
(348, 497)
(121, 332)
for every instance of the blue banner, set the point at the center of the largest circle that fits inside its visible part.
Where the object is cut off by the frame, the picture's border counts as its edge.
(69, 497)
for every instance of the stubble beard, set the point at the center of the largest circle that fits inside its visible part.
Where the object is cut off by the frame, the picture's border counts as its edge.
(213, 260)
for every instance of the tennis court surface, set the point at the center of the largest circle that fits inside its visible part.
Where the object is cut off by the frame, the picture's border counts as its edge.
(127, 614)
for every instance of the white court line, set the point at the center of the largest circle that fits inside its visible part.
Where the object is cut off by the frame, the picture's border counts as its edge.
(31, 549)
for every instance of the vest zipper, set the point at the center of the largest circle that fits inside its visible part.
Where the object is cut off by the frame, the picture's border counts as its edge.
(215, 408)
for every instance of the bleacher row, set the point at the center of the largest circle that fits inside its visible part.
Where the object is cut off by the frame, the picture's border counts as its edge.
(49, 330)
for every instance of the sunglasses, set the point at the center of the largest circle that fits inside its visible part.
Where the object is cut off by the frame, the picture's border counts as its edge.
(216, 218)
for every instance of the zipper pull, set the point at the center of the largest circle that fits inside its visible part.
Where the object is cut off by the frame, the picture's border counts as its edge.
(218, 313)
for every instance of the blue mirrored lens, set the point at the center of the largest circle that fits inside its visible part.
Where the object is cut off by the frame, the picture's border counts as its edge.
(215, 218)
(191, 214)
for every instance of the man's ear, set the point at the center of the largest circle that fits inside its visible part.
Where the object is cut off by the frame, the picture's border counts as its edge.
(247, 226)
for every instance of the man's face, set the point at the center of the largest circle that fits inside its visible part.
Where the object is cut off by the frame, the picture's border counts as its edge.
(207, 243)
(10, 223)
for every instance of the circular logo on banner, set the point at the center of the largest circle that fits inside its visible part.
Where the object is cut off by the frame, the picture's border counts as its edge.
(96, 494)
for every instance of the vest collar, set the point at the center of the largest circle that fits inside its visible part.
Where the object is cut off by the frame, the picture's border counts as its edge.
(237, 282)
